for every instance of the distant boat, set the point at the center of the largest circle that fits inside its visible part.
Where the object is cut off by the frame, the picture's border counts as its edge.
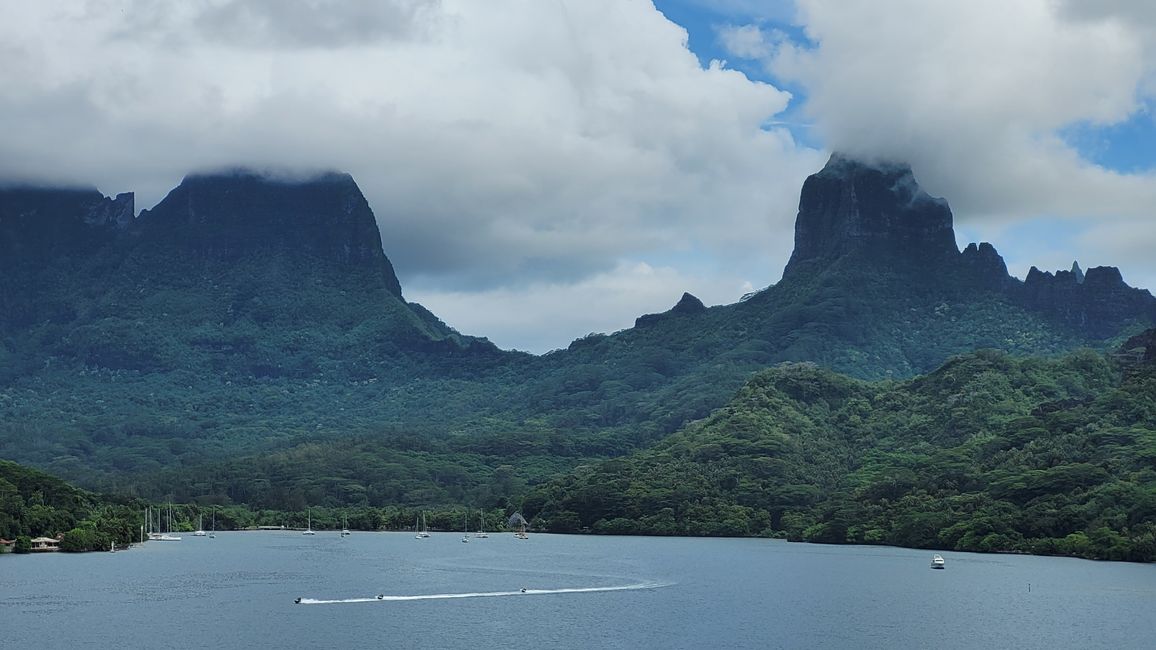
(309, 525)
(344, 526)
(518, 522)
(200, 531)
(937, 561)
(422, 532)
(481, 534)
(157, 535)
(466, 529)
(213, 533)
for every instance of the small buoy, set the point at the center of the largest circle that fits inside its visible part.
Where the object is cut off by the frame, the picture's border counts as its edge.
(381, 596)
(297, 600)
(523, 590)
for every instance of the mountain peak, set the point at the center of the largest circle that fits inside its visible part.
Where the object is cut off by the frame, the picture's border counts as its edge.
(37, 223)
(688, 305)
(870, 209)
(238, 212)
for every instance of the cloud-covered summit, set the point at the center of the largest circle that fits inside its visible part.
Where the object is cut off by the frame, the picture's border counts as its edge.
(987, 100)
(505, 146)
(544, 169)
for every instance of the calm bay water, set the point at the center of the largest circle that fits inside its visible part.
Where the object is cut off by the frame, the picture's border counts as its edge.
(237, 591)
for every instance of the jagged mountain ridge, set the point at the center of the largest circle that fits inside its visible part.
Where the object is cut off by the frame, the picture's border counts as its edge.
(877, 287)
(877, 216)
(215, 316)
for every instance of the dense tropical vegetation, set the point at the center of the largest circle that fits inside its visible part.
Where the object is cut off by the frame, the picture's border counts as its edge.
(34, 504)
(988, 453)
(244, 348)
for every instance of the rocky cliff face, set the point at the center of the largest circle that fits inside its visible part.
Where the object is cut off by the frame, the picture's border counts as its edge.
(234, 272)
(1140, 348)
(874, 212)
(873, 218)
(236, 214)
(46, 236)
(44, 223)
(1098, 302)
(983, 266)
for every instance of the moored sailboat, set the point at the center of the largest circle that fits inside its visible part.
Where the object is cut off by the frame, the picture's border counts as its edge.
(481, 534)
(159, 536)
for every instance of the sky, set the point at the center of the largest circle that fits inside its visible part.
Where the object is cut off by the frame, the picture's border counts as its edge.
(543, 169)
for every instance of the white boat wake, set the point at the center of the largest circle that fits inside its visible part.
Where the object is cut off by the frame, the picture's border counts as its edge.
(483, 594)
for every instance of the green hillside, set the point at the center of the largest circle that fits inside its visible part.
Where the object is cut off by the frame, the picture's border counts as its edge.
(987, 453)
(247, 341)
(34, 504)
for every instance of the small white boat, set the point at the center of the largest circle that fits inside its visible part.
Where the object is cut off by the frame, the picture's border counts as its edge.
(200, 531)
(422, 532)
(344, 526)
(937, 561)
(309, 525)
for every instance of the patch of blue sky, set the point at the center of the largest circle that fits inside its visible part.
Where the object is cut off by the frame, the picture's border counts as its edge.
(1125, 147)
(704, 20)
(1043, 242)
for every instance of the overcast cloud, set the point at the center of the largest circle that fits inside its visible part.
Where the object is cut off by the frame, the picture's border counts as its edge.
(977, 96)
(543, 169)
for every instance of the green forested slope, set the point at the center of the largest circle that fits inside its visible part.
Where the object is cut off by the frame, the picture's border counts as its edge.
(988, 453)
(246, 319)
(34, 504)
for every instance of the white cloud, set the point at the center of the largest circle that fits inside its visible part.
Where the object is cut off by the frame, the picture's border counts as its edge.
(515, 149)
(750, 41)
(974, 95)
(501, 144)
(542, 316)
(977, 96)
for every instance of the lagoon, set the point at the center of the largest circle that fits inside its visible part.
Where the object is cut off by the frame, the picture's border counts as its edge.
(238, 590)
